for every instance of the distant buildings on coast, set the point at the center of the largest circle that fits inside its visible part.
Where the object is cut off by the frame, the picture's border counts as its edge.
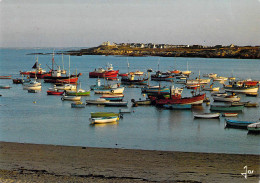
(165, 46)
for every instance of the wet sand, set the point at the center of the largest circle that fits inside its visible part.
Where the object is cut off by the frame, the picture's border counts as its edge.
(50, 163)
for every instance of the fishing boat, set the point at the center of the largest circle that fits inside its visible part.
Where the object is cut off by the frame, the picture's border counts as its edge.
(181, 76)
(37, 72)
(65, 87)
(5, 77)
(193, 86)
(137, 73)
(53, 91)
(141, 102)
(187, 72)
(32, 85)
(226, 107)
(116, 103)
(79, 92)
(248, 82)
(241, 89)
(175, 71)
(175, 98)
(98, 86)
(251, 104)
(197, 81)
(156, 89)
(98, 101)
(252, 94)
(220, 78)
(181, 81)
(228, 98)
(5, 87)
(71, 98)
(130, 80)
(18, 81)
(102, 73)
(110, 91)
(229, 114)
(57, 77)
(206, 115)
(103, 114)
(113, 97)
(211, 88)
(238, 124)
(254, 127)
(78, 104)
(103, 120)
(159, 77)
(177, 106)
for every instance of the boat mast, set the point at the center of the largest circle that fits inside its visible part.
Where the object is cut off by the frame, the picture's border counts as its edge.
(62, 62)
(69, 69)
(127, 66)
(52, 60)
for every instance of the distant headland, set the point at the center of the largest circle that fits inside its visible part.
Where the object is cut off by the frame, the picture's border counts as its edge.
(166, 50)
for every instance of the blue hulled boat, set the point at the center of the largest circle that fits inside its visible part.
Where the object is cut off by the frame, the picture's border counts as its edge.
(238, 124)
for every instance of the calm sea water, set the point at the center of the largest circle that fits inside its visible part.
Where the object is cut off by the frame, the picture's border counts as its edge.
(52, 121)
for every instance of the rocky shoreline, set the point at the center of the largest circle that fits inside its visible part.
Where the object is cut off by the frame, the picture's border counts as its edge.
(247, 52)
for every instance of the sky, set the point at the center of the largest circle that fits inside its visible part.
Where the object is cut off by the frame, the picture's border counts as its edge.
(86, 23)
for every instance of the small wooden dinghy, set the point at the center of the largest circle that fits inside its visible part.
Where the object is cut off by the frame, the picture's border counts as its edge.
(230, 114)
(206, 115)
(103, 120)
(103, 114)
(5, 87)
(254, 127)
(71, 98)
(78, 104)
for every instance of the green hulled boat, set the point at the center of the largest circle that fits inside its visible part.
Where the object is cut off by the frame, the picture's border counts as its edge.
(103, 114)
(80, 92)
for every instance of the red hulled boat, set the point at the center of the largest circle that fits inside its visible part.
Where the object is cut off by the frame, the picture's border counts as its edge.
(56, 76)
(195, 100)
(102, 73)
(40, 73)
(54, 92)
(175, 98)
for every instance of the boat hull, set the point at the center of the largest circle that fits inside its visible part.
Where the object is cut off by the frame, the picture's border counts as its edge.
(255, 127)
(54, 92)
(71, 93)
(230, 114)
(116, 104)
(103, 120)
(106, 74)
(110, 91)
(206, 115)
(134, 82)
(238, 124)
(71, 98)
(226, 99)
(77, 105)
(253, 89)
(194, 100)
(103, 114)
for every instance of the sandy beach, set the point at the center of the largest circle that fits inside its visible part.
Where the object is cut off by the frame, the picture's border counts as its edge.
(50, 163)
